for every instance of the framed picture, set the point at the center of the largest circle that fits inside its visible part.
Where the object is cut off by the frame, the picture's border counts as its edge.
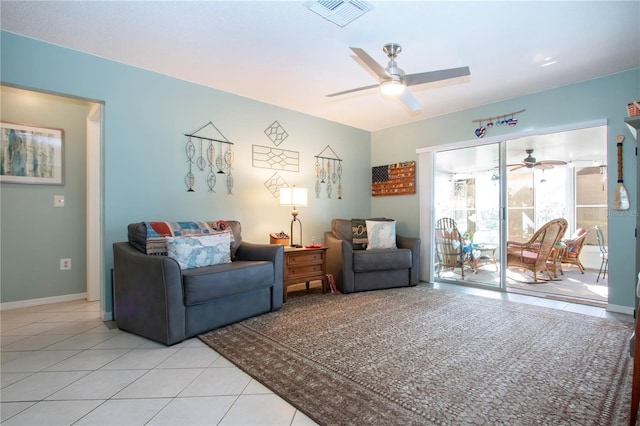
(31, 154)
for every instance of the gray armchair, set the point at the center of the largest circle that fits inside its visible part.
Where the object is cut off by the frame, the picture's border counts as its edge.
(356, 269)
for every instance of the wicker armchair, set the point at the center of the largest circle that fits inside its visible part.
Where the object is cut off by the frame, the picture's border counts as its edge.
(450, 249)
(533, 254)
(574, 245)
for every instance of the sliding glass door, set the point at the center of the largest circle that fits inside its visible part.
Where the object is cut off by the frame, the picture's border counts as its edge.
(467, 220)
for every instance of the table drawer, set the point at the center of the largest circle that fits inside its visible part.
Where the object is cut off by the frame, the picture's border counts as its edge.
(304, 258)
(299, 272)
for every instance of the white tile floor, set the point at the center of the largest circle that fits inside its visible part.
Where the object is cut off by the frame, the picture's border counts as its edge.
(61, 365)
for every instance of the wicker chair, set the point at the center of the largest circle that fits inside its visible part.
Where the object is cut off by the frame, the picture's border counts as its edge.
(450, 252)
(574, 245)
(533, 254)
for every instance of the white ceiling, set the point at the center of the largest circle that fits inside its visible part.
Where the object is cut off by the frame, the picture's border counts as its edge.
(283, 54)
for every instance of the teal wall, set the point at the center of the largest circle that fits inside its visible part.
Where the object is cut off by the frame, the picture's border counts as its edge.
(35, 234)
(147, 114)
(603, 98)
(146, 117)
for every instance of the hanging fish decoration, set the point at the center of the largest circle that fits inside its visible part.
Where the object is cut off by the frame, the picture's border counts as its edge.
(201, 163)
(190, 150)
(211, 154)
(229, 183)
(228, 157)
(220, 160)
(211, 181)
(329, 173)
(323, 173)
(189, 179)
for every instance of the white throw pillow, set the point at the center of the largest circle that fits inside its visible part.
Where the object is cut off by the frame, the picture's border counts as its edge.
(204, 250)
(381, 235)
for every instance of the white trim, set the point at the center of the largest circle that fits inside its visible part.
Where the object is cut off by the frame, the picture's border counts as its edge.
(41, 301)
(94, 254)
(426, 185)
(628, 310)
(500, 138)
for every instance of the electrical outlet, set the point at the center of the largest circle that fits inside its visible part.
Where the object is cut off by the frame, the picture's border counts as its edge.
(65, 264)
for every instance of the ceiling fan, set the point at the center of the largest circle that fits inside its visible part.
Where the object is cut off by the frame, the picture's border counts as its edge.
(530, 162)
(393, 81)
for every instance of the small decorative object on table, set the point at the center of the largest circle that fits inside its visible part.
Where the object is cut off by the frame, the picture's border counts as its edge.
(279, 238)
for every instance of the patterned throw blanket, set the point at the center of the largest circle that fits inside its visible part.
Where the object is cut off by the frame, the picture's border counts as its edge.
(157, 231)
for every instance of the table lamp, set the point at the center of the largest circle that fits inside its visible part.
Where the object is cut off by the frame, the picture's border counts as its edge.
(292, 196)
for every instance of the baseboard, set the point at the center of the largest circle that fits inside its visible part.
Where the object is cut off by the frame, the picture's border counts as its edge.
(106, 316)
(41, 301)
(620, 309)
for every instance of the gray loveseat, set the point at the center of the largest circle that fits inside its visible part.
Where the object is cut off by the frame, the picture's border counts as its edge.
(356, 269)
(155, 298)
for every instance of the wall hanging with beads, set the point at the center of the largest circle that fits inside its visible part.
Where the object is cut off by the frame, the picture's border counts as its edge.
(212, 155)
(500, 120)
(328, 169)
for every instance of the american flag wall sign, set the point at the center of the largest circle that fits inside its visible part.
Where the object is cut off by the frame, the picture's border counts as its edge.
(394, 179)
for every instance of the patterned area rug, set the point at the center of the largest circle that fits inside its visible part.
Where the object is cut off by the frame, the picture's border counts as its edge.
(422, 356)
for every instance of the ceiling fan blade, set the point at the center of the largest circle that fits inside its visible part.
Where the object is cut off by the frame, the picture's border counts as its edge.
(517, 167)
(371, 63)
(344, 92)
(514, 165)
(556, 162)
(543, 166)
(410, 101)
(431, 76)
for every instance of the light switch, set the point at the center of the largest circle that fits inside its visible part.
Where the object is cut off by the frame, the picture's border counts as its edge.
(58, 201)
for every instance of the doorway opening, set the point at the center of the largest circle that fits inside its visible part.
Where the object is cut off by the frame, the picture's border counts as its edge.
(495, 198)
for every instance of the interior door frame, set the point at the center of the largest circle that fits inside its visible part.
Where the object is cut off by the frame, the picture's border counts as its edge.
(426, 171)
(94, 207)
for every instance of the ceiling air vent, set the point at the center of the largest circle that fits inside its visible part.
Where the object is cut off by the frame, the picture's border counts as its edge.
(338, 11)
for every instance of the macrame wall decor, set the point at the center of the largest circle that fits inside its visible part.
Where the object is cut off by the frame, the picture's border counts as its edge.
(214, 156)
(328, 169)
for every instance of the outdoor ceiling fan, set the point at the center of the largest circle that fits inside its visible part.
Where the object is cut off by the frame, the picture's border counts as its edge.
(530, 162)
(393, 80)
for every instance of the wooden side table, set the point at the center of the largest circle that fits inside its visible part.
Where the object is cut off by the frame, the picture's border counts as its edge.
(487, 255)
(304, 265)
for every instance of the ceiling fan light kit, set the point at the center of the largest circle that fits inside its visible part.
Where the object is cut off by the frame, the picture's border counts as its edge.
(392, 87)
(393, 81)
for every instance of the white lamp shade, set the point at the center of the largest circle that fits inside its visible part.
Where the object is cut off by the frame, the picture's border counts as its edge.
(293, 196)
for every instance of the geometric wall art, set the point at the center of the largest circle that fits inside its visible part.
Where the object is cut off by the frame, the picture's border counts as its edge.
(275, 158)
(274, 183)
(276, 133)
